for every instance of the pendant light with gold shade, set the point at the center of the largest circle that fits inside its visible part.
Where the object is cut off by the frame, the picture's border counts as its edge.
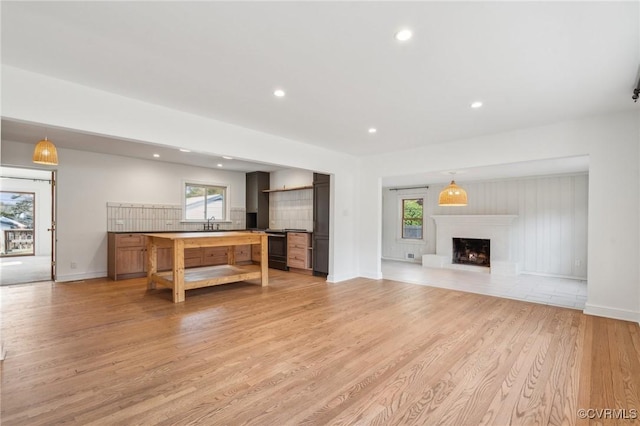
(452, 195)
(45, 153)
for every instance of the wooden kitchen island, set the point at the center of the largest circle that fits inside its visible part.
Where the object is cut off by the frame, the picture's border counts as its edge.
(180, 280)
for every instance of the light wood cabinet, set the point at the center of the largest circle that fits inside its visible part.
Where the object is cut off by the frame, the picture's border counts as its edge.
(130, 260)
(207, 256)
(165, 258)
(256, 252)
(130, 240)
(127, 256)
(299, 250)
(214, 256)
(243, 253)
(192, 257)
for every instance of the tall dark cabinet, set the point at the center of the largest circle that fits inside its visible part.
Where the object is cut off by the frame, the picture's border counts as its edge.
(257, 201)
(321, 193)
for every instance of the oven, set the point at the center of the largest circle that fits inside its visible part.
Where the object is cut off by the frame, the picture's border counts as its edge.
(277, 249)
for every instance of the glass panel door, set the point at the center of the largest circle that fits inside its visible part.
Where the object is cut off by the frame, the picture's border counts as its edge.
(17, 219)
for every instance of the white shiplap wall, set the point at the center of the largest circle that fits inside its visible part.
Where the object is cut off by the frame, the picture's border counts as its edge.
(549, 235)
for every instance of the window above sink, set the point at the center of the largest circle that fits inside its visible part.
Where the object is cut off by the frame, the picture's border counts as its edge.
(205, 202)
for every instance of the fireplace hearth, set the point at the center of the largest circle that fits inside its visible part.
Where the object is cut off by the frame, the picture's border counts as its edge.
(471, 251)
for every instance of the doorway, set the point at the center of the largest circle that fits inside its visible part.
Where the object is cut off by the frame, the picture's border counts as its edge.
(27, 215)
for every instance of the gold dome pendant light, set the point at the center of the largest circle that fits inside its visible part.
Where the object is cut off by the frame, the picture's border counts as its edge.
(45, 153)
(452, 195)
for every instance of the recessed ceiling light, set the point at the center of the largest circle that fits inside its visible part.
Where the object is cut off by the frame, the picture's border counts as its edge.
(476, 104)
(219, 165)
(156, 155)
(372, 130)
(404, 35)
(279, 93)
(185, 150)
(227, 158)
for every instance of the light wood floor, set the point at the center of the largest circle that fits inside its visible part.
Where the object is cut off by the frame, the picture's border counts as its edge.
(303, 352)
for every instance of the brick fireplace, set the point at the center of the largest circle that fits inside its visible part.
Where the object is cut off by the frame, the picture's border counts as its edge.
(495, 228)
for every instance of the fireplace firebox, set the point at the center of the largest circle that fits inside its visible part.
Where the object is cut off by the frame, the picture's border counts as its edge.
(472, 251)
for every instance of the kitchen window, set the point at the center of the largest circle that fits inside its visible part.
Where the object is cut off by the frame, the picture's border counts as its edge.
(205, 202)
(412, 218)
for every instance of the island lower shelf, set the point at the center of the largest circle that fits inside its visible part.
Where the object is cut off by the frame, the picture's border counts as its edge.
(210, 276)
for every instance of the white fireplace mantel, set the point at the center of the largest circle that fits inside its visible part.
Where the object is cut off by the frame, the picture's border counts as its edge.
(496, 228)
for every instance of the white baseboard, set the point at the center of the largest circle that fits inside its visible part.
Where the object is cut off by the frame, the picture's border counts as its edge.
(415, 260)
(542, 274)
(340, 278)
(80, 277)
(374, 275)
(615, 313)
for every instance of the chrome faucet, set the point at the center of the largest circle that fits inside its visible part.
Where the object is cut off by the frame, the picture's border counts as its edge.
(209, 226)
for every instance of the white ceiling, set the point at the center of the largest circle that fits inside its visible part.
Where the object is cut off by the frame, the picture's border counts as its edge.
(531, 63)
(556, 166)
(31, 133)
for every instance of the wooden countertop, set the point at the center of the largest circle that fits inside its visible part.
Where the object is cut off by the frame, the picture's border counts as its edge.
(198, 234)
(180, 232)
(205, 239)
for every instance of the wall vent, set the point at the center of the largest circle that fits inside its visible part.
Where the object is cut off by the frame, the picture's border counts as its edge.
(410, 256)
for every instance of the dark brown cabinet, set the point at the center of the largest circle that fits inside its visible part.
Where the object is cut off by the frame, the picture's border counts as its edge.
(257, 201)
(321, 197)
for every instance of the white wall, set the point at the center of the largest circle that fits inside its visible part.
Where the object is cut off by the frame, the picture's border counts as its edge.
(87, 181)
(42, 192)
(612, 143)
(614, 177)
(549, 236)
(28, 97)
